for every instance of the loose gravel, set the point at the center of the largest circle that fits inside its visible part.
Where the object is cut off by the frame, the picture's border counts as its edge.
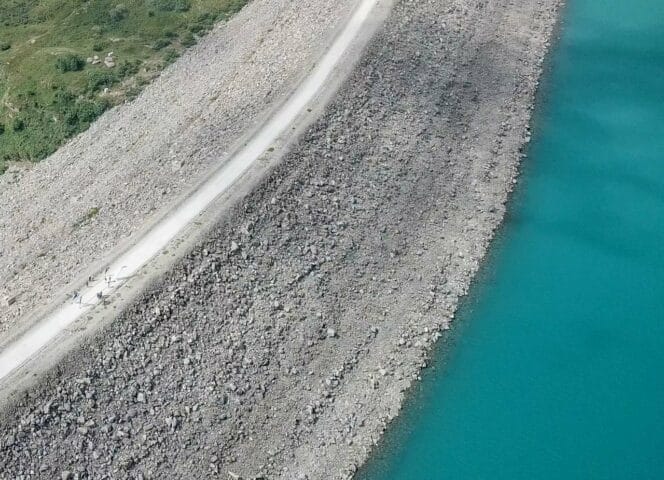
(284, 343)
(64, 214)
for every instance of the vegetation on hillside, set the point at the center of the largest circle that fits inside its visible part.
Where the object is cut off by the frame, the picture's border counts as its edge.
(56, 75)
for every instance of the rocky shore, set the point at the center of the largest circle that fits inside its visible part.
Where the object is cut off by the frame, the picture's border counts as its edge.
(284, 343)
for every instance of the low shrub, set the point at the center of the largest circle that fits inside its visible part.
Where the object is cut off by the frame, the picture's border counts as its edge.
(63, 99)
(89, 111)
(18, 124)
(69, 63)
(79, 114)
(161, 43)
(188, 40)
(98, 79)
(171, 55)
(4, 46)
(197, 28)
(129, 68)
(171, 5)
(133, 92)
(118, 13)
(207, 18)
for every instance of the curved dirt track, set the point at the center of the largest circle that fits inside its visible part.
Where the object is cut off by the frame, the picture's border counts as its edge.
(62, 219)
(286, 356)
(130, 262)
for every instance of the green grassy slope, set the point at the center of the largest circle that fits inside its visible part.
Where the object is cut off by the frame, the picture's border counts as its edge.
(48, 89)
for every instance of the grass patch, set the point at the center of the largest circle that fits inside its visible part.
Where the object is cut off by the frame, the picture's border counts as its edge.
(51, 84)
(85, 219)
(92, 213)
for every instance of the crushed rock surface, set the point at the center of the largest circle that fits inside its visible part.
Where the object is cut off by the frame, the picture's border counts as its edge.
(64, 214)
(284, 343)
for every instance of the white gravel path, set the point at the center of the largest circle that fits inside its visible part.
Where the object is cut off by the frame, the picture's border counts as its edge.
(149, 245)
(138, 160)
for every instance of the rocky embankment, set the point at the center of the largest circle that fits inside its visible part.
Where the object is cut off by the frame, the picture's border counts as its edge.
(283, 344)
(64, 215)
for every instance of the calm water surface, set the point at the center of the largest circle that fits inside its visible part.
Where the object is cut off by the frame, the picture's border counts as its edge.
(555, 369)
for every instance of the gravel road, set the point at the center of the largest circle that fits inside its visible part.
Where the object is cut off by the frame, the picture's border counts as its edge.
(65, 214)
(284, 343)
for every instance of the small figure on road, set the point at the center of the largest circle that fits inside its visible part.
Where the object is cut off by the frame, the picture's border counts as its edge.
(100, 295)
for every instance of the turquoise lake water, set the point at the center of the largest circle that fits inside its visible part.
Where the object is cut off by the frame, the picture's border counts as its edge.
(555, 368)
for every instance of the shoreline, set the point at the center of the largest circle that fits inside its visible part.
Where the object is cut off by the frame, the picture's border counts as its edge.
(352, 256)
